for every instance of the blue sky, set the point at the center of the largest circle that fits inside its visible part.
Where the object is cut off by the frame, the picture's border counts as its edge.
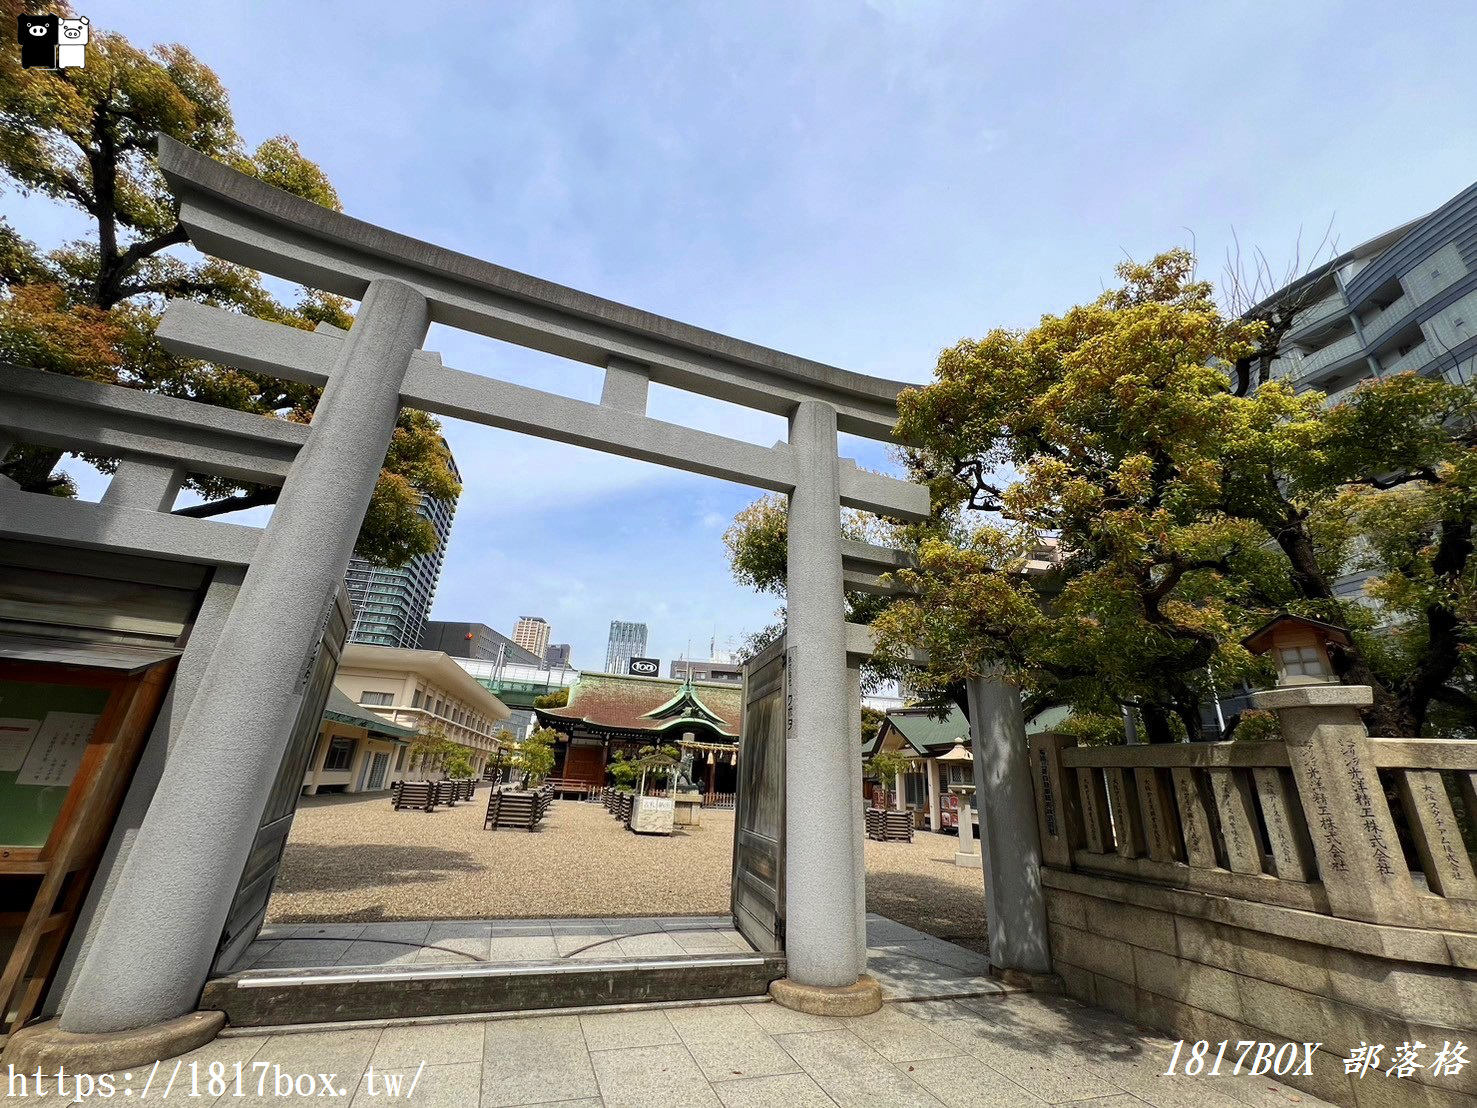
(860, 183)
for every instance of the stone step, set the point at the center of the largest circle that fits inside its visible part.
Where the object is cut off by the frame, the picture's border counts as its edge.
(333, 994)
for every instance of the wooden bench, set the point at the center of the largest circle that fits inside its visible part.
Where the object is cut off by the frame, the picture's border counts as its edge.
(889, 826)
(414, 794)
(516, 809)
(571, 785)
(621, 805)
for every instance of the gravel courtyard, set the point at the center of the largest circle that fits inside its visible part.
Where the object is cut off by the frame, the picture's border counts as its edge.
(354, 859)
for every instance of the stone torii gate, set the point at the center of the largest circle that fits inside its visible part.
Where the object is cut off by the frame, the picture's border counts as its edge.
(151, 949)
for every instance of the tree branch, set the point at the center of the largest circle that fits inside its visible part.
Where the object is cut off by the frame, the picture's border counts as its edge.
(1178, 567)
(145, 247)
(166, 288)
(1421, 473)
(1455, 697)
(230, 504)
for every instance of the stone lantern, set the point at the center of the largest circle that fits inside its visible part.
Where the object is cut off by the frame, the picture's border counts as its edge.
(968, 854)
(1299, 649)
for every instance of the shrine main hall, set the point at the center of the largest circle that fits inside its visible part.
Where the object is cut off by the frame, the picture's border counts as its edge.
(610, 713)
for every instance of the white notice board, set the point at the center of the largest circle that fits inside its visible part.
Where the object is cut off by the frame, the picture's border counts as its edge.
(57, 750)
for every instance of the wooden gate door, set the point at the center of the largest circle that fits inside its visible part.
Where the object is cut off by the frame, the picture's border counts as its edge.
(759, 810)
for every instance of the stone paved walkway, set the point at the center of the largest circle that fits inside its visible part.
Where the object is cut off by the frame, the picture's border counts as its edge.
(1008, 1051)
(993, 1049)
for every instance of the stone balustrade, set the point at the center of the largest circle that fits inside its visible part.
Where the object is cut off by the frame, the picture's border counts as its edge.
(1303, 825)
(1319, 887)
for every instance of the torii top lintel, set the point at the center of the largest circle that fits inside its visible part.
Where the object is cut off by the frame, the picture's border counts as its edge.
(240, 219)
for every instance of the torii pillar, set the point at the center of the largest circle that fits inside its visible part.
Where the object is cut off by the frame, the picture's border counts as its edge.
(821, 880)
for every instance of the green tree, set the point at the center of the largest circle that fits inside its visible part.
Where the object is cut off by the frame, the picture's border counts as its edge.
(1109, 423)
(458, 764)
(85, 138)
(535, 754)
(623, 771)
(431, 750)
(1184, 515)
(1188, 513)
(885, 765)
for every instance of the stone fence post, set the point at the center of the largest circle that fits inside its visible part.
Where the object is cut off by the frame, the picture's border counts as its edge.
(1056, 807)
(1359, 857)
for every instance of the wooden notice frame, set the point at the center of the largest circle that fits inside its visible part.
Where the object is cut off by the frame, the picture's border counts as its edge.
(43, 885)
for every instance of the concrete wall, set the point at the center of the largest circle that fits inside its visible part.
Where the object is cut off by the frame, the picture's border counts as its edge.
(1203, 967)
(318, 779)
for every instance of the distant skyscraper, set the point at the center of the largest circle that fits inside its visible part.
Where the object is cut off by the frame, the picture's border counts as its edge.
(391, 605)
(558, 655)
(627, 641)
(532, 634)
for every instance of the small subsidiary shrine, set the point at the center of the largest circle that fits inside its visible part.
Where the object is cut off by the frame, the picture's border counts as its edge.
(609, 712)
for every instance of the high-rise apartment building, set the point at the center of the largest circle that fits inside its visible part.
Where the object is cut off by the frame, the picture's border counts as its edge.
(391, 605)
(532, 634)
(1405, 301)
(627, 641)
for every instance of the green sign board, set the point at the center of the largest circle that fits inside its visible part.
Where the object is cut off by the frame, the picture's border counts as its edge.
(44, 730)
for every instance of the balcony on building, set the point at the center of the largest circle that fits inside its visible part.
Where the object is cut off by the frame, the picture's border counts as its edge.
(1405, 350)
(1339, 349)
(1325, 314)
(1387, 307)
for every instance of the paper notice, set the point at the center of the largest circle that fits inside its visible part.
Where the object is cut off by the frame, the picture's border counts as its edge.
(15, 739)
(57, 750)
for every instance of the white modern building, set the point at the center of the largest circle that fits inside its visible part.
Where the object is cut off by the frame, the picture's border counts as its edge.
(422, 690)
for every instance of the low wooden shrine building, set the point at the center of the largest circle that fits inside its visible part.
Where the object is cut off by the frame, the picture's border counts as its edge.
(608, 712)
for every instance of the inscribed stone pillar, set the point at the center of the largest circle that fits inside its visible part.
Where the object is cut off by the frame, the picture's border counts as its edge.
(967, 855)
(1231, 791)
(1097, 826)
(1056, 822)
(1156, 807)
(158, 934)
(1359, 858)
(1128, 821)
(820, 762)
(1190, 797)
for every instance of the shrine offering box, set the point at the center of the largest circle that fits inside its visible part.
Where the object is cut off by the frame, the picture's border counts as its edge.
(74, 717)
